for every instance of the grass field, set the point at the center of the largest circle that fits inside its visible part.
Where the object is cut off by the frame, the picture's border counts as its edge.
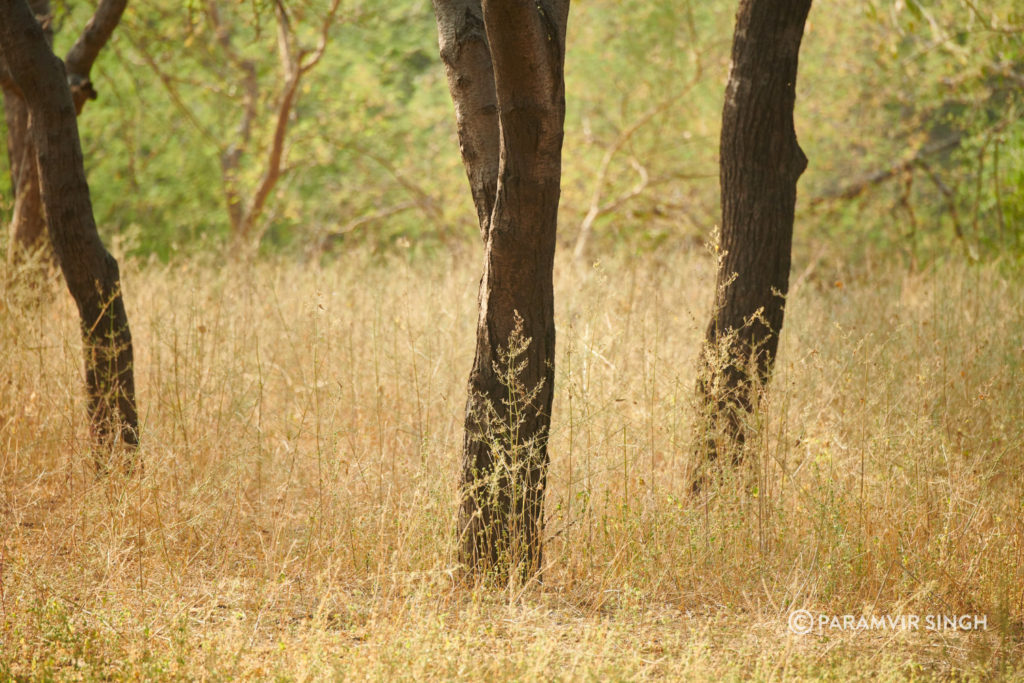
(294, 518)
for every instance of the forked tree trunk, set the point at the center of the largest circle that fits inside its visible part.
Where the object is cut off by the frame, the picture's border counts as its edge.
(90, 271)
(504, 60)
(28, 224)
(761, 162)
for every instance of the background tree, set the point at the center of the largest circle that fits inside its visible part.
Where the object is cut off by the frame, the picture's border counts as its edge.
(364, 165)
(940, 108)
(761, 162)
(232, 53)
(504, 61)
(28, 222)
(637, 179)
(90, 271)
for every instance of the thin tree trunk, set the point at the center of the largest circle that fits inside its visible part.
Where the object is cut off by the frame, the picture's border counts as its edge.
(761, 162)
(90, 271)
(28, 220)
(509, 94)
(296, 62)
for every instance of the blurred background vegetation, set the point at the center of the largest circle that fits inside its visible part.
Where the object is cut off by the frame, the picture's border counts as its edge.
(909, 111)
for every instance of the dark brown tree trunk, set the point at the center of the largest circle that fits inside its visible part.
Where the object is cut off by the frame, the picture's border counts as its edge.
(28, 221)
(90, 271)
(28, 224)
(761, 162)
(504, 61)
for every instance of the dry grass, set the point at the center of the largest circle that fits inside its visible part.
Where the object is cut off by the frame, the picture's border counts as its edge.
(295, 514)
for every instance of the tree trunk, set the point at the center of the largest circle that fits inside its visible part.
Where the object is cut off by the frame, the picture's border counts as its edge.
(28, 225)
(28, 222)
(761, 162)
(509, 95)
(90, 271)
(467, 60)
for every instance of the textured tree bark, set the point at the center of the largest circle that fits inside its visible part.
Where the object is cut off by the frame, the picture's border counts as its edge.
(504, 60)
(90, 271)
(761, 162)
(28, 224)
(467, 62)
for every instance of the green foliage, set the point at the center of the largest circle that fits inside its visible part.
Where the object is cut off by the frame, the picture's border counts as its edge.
(371, 156)
(643, 88)
(931, 91)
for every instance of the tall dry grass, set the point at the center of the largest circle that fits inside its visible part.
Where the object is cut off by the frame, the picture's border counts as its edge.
(295, 515)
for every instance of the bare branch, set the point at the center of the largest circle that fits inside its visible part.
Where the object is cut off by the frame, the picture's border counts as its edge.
(295, 68)
(321, 45)
(272, 172)
(231, 156)
(167, 81)
(332, 238)
(596, 210)
(86, 49)
(466, 54)
(423, 198)
(856, 188)
(285, 49)
(635, 191)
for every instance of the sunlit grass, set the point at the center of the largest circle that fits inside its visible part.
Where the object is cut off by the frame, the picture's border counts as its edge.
(301, 427)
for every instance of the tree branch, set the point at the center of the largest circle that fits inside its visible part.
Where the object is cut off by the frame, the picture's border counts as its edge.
(332, 238)
(295, 67)
(596, 210)
(167, 81)
(86, 49)
(856, 188)
(424, 201)
(231, 156)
